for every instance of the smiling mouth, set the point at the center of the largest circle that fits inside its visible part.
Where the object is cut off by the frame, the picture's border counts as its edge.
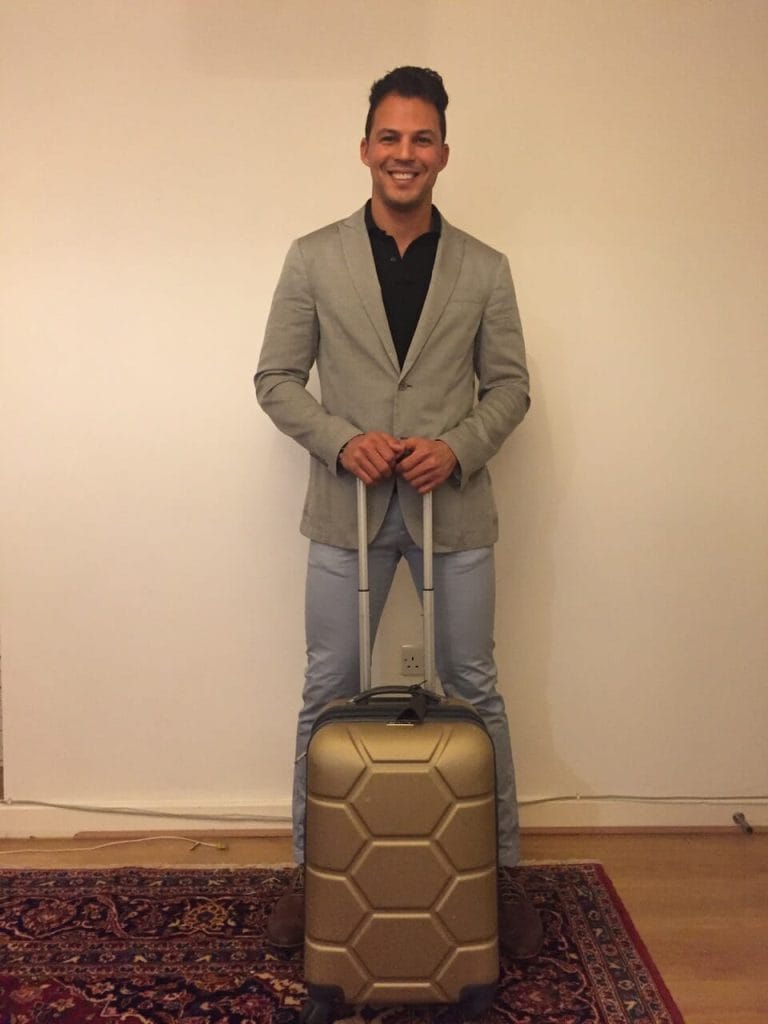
(402, 175)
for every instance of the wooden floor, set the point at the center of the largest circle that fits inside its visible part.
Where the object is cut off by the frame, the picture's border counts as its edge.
(700, 901)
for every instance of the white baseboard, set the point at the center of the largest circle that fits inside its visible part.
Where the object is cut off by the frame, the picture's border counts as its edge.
(610, 814)
(22, 820)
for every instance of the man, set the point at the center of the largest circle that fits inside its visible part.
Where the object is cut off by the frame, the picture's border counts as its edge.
(416, 335)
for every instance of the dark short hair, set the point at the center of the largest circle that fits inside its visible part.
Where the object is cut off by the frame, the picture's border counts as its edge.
(423, 83)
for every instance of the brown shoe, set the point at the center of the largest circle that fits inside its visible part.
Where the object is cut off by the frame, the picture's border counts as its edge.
(521, 933)
(285, 926)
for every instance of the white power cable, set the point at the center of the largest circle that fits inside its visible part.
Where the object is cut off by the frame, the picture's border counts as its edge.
(634, 798)
(286, 820)
(194, 843)
(149, 812)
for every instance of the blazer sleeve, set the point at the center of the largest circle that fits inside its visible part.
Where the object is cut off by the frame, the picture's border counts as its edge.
(289, 351)
(502, 375)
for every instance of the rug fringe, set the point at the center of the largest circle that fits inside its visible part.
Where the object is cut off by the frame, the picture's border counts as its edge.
(545, 863)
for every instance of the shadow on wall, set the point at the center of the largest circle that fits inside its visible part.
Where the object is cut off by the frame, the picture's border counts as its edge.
(529, 489)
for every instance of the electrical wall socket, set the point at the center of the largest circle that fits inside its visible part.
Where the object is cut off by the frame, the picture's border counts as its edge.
(412, 660)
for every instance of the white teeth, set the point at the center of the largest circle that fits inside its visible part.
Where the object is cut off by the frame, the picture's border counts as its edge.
(402, 176)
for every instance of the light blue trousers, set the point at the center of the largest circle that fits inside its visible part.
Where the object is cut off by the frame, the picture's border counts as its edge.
(465, 588)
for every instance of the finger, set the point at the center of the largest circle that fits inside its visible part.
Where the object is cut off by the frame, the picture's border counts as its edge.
(367, 472)
(396, 445)
(377, 463)
(420, 477)
(389, 447)
(422, 462)
(411, 462)
(424, 486)
(371, 470)
(427, 476)
(385, 447)
(361, 473)
(366, 456)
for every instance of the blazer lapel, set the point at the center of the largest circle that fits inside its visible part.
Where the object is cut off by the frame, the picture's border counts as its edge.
(450, 252)
(362, 269)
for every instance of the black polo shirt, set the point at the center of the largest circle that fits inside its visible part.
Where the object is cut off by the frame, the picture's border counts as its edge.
(404, 280)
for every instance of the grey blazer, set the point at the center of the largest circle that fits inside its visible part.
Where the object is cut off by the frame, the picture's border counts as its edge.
(464, 380)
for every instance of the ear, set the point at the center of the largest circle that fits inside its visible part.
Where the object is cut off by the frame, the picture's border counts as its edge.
(364, 151)
(446, 154)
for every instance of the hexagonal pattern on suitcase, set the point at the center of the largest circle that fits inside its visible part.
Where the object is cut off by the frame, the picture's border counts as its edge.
(401, 861)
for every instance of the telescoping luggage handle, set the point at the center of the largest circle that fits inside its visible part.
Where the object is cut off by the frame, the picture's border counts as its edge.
(364, 604)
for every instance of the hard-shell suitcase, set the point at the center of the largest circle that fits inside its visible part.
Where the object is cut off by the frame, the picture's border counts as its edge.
(400, 867)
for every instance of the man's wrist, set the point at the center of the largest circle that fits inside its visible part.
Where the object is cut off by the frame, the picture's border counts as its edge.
(456, 470)
(339, 463)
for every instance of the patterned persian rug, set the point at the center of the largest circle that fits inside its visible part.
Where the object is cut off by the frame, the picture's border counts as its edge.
(141, 946)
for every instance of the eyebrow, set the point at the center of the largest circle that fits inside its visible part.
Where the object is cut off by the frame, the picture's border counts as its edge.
(395, 131)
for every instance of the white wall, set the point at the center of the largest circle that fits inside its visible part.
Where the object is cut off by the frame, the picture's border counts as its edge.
(157, 158)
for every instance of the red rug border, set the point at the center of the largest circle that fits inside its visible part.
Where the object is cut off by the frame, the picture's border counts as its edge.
(642, 948)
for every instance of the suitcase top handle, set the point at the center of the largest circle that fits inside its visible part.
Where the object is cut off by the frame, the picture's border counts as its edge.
(415, 711)
(364, 607)
(404, 690)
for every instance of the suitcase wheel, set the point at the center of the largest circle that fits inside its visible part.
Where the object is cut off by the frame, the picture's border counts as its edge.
(316, 1012)
(476, 1002)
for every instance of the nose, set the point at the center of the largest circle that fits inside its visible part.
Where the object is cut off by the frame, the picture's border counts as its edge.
(405, 149)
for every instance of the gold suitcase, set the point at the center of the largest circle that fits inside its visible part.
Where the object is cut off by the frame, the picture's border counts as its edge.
(400, 880)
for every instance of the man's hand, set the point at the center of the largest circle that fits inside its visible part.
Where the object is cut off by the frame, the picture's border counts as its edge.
(372, 456)
(427, 464)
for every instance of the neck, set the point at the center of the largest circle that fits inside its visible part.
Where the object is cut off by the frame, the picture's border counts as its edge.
(403, 225)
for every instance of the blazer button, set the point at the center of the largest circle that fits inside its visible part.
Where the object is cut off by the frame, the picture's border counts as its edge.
(403, 386)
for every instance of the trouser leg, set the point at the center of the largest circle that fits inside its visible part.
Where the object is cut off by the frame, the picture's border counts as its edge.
(465, 590)
(333, 660)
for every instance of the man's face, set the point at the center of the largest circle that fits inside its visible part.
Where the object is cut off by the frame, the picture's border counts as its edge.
(405, 152)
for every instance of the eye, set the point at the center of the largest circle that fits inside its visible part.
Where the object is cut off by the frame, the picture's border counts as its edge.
(424, 140)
